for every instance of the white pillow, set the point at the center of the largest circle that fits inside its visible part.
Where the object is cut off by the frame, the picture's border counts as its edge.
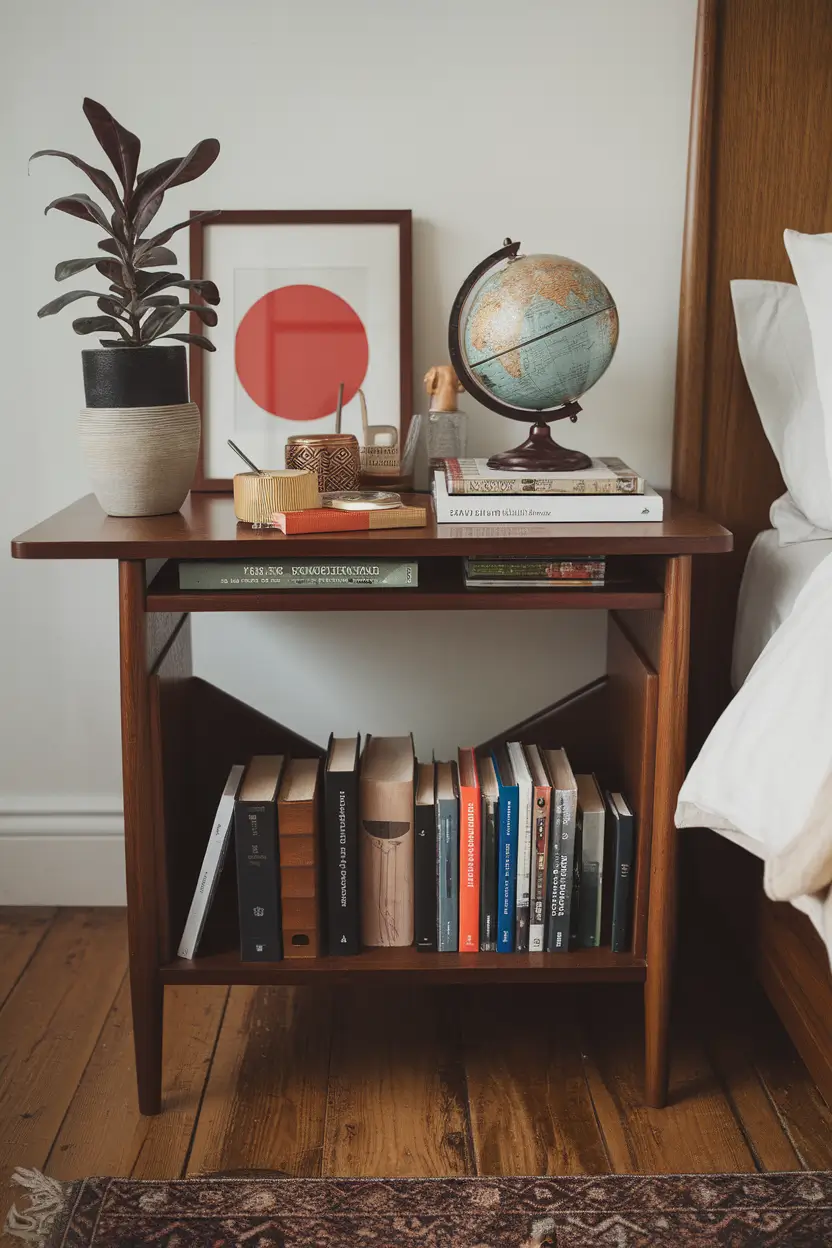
(811, 257)
(775, 346)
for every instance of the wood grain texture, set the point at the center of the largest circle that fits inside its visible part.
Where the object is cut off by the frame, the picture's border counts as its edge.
(671, 727)
(695, 1132)
(530, 1107)
(103, 1131)
(265, 1101)
(396, 1103)
(206, 527)
(144, 847)
(22, 928)
(49, 1027)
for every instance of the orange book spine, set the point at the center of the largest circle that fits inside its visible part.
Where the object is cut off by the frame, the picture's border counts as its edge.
(320, 520)
(469, 864)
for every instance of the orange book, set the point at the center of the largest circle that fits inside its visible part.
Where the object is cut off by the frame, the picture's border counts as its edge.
(331, 520)
(469, 853)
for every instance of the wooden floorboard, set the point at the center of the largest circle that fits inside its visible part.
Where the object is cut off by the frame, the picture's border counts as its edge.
(363, 1081)
(530, 1105)
(397, 1099)
(49, 1026)
(265, 1101)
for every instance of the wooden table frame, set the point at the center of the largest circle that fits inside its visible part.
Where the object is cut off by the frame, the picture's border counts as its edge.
(179, 734)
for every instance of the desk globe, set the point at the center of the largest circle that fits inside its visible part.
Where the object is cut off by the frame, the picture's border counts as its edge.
(528, 335)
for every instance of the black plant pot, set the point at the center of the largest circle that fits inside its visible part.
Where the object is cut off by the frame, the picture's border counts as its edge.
(135, 376)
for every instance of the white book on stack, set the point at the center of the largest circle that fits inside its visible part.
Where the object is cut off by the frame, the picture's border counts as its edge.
(544, 509)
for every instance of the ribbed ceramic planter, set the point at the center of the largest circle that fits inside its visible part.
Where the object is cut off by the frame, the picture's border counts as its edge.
(141, 460)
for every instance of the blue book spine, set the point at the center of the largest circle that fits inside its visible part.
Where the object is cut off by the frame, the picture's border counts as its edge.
(507, 864)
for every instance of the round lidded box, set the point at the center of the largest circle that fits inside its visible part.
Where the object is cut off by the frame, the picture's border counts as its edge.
(257, 495)
(334, 457)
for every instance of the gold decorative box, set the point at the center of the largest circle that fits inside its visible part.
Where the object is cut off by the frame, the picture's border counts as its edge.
(333, 457)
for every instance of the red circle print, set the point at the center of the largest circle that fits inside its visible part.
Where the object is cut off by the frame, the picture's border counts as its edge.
(295, 346)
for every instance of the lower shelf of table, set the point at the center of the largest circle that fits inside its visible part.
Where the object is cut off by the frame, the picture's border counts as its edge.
(408, 965)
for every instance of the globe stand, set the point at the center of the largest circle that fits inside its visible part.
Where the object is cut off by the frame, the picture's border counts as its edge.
(540, 452)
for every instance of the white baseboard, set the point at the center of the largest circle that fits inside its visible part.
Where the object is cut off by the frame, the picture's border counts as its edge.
(61, 851)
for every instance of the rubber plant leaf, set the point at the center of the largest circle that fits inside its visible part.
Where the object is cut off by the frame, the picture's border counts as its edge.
(101, 180)
(121, 146)
(95, 324)
(82, 206)
(196, 339)
(68, 268)
(69, 296)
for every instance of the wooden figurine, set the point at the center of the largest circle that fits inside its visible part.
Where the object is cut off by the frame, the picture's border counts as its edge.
(443, 385)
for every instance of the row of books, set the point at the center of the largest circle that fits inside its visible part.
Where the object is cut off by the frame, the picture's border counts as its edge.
(528, 572)
(467, 491)
(503, 851)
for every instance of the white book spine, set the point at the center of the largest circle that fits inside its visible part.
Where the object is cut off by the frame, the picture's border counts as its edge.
(475, 509)
(211, 865)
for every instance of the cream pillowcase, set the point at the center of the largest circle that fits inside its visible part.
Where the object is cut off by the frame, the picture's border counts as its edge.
(775, 344)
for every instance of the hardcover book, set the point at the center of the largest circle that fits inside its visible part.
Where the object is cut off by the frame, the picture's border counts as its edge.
(523, 780)
(447, 857)
(489, 843)
(341, 844)
(255, 834)
(469, 852)
(212, 862)
(507, 850)
(623, 831)
(591, 812)
(524, 582)
(541, 817)
(297, 832)
(523, 568)
(298, 574)
(424, 858)
(560, 870)
(386, 814)
(604, 476)
(527, 509)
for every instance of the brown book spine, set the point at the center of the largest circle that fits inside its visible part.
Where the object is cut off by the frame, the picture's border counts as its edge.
(300, 886)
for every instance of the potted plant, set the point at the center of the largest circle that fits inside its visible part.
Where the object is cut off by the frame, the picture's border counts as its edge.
(140, 434)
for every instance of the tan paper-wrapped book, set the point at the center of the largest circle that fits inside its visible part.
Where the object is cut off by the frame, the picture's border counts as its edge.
(386, 822)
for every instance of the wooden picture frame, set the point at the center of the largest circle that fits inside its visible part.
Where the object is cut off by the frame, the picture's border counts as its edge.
(200, 361)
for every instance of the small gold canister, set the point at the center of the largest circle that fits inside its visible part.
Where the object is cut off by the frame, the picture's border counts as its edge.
(334, 457)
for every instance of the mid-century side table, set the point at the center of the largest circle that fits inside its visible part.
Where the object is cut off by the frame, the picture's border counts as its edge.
(180, 735)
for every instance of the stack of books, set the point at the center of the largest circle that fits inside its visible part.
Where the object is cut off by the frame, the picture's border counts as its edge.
(506, 851)
(467, 491)
(530, 573)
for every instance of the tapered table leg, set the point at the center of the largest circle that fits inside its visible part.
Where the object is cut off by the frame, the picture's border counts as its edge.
(140, 848)
(670, 765)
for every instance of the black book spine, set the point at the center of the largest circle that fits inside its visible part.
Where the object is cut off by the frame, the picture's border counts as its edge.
(341, 856)
(577, 872)
(258, 892)
(559, 886)
(425, 877)
(623, 882)
(488, 877)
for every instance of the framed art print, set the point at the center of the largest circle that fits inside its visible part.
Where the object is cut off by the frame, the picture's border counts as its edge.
(310, 301)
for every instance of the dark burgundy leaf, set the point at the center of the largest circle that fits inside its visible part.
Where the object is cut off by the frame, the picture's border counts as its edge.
(118, 226)
(145, 214)
(112, 270)
(147, 283)
(69, 296)
(68, 268)
(122, 147)
(117, 342)
(94, 325)
(113, 307)
(207, 315)
(196, 339)
(176, 172)
(202, 287)
(155, 256)
(159, 321)
(167, 234)
(82, 206)
(110, 245)
(101, 180)
(159, 301)
(148, 182)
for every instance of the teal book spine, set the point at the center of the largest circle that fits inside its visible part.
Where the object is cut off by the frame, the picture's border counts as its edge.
(447, 874)
(299, 574)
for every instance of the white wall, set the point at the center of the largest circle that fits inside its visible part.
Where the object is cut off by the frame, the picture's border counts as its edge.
(562, 124)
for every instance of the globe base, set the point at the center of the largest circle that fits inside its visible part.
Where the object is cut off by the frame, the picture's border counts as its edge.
(540, 453)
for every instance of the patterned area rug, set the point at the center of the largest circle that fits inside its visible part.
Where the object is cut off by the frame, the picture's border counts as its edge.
(614, 1211)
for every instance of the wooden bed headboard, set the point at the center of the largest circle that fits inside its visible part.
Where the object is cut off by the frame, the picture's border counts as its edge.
(760, 161)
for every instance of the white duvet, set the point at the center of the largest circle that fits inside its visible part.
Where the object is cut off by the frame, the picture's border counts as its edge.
(764, 775)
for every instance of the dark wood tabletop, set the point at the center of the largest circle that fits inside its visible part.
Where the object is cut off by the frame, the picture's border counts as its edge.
(206, 528)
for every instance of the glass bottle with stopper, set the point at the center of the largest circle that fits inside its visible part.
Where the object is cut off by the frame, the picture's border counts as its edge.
(528, 335)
